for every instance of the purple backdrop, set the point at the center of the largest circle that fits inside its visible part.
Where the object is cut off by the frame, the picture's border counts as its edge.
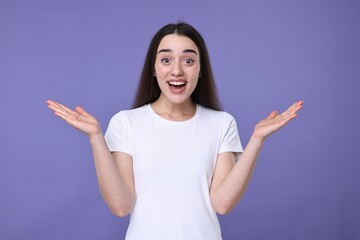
(265, 54)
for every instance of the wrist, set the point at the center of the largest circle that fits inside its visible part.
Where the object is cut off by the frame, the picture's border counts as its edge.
(259, 141)
(95, 137)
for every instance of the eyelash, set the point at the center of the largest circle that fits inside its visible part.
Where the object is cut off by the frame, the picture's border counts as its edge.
(187, 61)
(165, 60)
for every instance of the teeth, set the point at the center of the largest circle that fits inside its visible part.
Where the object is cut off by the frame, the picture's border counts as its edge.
(177, 83)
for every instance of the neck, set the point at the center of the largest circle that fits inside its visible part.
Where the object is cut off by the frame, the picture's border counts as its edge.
(174, 111)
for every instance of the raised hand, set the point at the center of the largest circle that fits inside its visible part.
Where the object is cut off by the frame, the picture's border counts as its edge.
(275, 121)
(79, 118)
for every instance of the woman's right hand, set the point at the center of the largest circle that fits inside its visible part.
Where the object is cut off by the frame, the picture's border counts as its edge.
(79, 118)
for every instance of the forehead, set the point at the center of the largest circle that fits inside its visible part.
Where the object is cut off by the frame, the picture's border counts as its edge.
(176, 42)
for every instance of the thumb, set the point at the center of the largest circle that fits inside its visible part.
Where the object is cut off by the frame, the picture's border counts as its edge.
(272, 114)
(81, 111)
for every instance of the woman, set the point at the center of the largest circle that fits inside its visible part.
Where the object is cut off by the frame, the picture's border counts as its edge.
(171, 161)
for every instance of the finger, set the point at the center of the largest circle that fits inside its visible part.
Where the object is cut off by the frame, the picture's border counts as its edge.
(292, 109)
(65, 112)
(52, 106)
(288, 115)
(63, 107)
(286, 119)
(297, 106)
(57, 106)
(272, 115)
(290, 118)
(66, 118)
(49, 102)
(81, 111)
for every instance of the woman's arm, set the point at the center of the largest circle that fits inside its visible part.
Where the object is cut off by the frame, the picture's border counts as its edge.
(115, 177)
(230, 179)
(114, 171)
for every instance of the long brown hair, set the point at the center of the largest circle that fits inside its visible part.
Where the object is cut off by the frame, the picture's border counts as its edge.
(205, 92)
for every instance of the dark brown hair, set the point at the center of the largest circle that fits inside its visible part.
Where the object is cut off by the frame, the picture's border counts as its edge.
(205, 92)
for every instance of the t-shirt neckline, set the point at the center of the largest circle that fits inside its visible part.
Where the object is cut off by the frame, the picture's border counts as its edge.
(151, 110)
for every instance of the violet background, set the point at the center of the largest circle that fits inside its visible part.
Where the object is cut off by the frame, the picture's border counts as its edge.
(265, 54)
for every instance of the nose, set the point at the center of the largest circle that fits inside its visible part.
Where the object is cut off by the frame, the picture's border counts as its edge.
(177, 69)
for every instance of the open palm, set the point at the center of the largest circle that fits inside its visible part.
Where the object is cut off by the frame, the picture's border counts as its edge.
(79, 118)
(275, 121)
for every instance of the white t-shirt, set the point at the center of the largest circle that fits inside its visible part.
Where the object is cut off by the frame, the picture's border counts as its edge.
(173, 164)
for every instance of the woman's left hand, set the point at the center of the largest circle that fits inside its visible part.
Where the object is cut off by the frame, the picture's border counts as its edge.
(275, 121)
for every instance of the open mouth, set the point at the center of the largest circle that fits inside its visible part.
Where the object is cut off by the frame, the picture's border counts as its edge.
(177, 84)
(177, 87)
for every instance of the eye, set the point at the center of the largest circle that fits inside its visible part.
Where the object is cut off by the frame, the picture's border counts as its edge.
(189, 61)
(165, 60)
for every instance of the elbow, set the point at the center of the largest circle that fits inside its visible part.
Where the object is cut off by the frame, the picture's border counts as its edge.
(222, 207)
(223, 210)
(120, 212)
(120, 209)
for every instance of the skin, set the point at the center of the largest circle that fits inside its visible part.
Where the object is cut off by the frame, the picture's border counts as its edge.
(177, 60)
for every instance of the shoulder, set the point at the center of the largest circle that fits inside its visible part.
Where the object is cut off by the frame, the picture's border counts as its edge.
(132, 117)
(131, 113)
(216, 115)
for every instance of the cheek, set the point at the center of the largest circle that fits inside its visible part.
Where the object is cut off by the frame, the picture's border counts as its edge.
(159, 71)
(196, 73)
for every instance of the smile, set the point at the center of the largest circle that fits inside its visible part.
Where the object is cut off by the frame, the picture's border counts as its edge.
(177, 84)
(177, 87)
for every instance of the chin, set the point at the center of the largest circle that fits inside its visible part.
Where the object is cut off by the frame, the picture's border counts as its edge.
(178, 100)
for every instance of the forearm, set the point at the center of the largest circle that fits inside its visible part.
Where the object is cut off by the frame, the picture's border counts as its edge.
(232, 188)
(113, 188)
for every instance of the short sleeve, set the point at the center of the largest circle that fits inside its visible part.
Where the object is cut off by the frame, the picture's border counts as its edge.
(117, 134)
(230, 141)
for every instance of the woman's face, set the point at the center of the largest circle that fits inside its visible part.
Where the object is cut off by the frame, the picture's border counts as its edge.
(177, 68)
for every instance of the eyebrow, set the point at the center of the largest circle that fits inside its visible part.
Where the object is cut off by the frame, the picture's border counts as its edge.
(185, 51)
